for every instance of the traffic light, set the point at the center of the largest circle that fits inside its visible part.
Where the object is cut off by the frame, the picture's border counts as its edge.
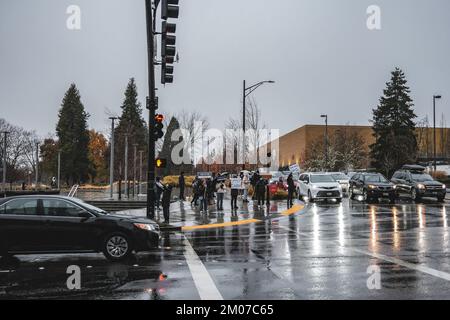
(169, 9)
(158, 131)
(161, 163)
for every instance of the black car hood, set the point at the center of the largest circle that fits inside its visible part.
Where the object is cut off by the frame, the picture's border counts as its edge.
(380, 184)
(136, 219)
(430, 183)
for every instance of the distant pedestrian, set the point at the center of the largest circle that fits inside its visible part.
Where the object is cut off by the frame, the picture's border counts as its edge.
(158, 192)
(195, 191)
(245, 186)
(203, 196)
(220, 195)
(291, 190)
(234, 193)
(260, 191)
(253, 181)
(167, 194)
(181, 184)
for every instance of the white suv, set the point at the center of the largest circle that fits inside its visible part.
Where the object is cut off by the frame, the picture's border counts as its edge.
(319, 186)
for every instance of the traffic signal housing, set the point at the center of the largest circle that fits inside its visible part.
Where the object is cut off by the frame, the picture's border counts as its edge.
(159, 126)
(169, 9)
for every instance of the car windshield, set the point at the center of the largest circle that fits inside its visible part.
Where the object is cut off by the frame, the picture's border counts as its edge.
(374, 178)
(421, 177)
(88, 206)
(322, 178)
(339, 176)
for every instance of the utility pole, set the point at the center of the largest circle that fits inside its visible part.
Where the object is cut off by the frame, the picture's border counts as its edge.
(134, 169)
(5, 134)
(59, 169)
(326, 140)
(434, 130)
(151, 109)
(140, 171)
(37, 166)
(126, 166)
(111, 160)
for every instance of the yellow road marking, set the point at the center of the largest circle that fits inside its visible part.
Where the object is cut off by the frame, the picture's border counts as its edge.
(220, 225)
(288, 212)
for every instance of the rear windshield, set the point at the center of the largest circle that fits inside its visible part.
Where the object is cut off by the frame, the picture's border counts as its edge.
(421, 177)
(376, 178)
(322, 178)
(340, 176)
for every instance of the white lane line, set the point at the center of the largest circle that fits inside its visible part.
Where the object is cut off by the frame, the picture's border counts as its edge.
(424, 269)
(205, 285)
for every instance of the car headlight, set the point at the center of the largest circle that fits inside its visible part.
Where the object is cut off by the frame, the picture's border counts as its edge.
(371, 186)
(444, 187)
(144, 226)
(421, 186)
(315, 187)
(394, 187)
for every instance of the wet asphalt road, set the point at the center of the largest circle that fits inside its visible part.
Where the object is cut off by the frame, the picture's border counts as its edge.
(322, 253)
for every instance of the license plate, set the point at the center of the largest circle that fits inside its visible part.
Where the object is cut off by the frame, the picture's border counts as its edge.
(329, 193)
(386, 194)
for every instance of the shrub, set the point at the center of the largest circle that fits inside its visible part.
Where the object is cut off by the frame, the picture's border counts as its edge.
(173, 181)
(440, 175)
(280, 195)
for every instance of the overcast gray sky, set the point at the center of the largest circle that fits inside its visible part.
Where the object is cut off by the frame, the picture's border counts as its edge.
(320, 53)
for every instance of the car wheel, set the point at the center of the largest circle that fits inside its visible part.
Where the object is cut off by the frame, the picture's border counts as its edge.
(350, 194)
(117, 247)
(413, 194)
(310, 198)
(441, 199)
(365, 197)
(338, 200)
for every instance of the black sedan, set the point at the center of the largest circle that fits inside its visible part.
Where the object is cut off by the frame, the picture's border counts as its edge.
(371, 187)
(57, 224)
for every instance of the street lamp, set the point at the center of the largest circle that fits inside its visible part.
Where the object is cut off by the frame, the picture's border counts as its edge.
(111, 159)
(245, 93)
(5, 134)
(434, 128)
(326, 139)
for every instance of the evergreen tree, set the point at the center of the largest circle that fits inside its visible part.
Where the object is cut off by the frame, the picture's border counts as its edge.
(394, 127)
(173, 152)
(73, 137)
(132, 124)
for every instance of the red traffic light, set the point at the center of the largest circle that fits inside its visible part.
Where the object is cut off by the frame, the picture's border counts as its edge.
(159, 118)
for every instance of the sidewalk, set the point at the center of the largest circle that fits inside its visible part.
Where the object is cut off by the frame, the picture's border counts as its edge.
(185, 217)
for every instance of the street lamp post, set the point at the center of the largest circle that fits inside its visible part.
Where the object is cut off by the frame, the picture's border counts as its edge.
(59, 169)
(37, 167)
(134, 169)
(246, 91)
(111, 160)
(140, 171)
(326, 140)
(434, 129)
(5, 134)
(126, 166)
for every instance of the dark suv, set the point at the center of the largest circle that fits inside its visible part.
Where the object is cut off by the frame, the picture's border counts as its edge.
(414, 182)
(55, 224)
(371, 187)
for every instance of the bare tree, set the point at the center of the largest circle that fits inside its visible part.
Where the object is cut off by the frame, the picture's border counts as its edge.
(196, 124)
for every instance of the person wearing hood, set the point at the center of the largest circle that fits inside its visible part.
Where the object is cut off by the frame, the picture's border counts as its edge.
(167, 194)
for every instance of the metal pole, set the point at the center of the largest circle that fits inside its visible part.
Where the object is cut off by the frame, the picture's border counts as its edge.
(111, 160)
(4, 161)
(151, 114)
(59, 169)
(37, 166)
(126, 165)
(326, 142)
(134, 170)
(243, 124)
(140, 172)
(434, 133)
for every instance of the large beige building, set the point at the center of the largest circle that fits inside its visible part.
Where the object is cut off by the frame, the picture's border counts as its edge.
(294, 145)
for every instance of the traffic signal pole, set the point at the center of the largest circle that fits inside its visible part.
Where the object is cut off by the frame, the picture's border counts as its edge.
(151, 108)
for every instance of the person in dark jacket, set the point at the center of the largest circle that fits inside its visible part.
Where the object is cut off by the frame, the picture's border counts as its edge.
(195, 191)
(203, 196)
(167, 194)
(253, 181)
(158, 192)
(234, 196)
(291, 190)
(260, 191)
(181, 184)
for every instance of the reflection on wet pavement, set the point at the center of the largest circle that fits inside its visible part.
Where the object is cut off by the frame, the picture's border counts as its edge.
(323, 253)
